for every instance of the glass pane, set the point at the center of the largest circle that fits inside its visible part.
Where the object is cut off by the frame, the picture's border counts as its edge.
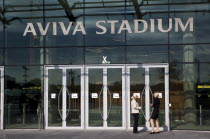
(114, 108)
(105, 55)
(137, 85)
(22, 96)
(1, 26)
(69, 56)
(17, 15)
(1, 56)
(95, 97)
(147, 54)
(55, 97)
(157, 84)
(73, 97)
(24, 56)
(100, 11)
(65, 12)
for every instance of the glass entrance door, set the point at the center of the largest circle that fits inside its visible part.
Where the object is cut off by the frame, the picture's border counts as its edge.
(1, 96)
(64, 95)
(105, 101)
(144, 80)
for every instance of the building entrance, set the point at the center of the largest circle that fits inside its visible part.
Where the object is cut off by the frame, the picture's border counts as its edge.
(144, 80)
(98, 96)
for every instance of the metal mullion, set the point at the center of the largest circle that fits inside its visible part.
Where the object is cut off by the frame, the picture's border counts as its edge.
(64, 99)
(105, 97)
(2, 97)
(46, 96)
(82, 100)
(147, 97)
(167, 119)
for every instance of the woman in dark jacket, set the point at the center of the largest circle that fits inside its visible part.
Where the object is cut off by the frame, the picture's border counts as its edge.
(155, 113)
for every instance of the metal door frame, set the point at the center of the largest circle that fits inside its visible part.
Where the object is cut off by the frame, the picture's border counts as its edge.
(2, 97)
(147, 96)
(104, 67)
(63, 68)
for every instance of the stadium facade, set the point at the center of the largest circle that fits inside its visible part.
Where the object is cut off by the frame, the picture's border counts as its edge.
(74, 64)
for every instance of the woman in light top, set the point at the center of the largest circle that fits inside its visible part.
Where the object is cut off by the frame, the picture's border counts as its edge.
(135, 112)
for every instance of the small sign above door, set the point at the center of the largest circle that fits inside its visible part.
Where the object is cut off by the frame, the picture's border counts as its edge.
(116, 95)
(53, 95)
(137, 94)
(94, 95)
(74, 95)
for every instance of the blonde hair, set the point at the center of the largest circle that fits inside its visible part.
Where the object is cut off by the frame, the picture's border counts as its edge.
(156, 94)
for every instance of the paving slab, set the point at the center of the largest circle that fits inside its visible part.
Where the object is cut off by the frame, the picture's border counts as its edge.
(66, 134)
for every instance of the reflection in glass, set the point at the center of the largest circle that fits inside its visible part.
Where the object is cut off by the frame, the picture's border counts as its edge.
(65, 12)
(137, 85)
(55, 93)
(114, 108)
(147, 54)
(105, 55)
(17, 15)
(157, 84)
(95, 97)
(24, 56)
(73, 103)
(69, 56)
(22, 96)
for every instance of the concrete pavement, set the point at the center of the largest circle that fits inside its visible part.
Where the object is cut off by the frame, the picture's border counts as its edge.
(69, 134)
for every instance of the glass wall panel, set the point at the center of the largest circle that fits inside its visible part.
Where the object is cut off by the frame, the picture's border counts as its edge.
(55, 103)
(22, 96)
(147, 32)
(100, 11)
(147, 54)
(190, 53)
(189, 95)
(95, 103)
(62, 13)
(24, 56)
(137, 85)
(1, 56)
(201, 19)
(73, 104)
(114, 105)
(104, 55)
(70, 56)
(1, 24)
(17, 15)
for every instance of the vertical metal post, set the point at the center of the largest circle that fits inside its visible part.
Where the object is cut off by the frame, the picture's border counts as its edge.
(2, 97)
(82, 112)
(167, 120)
(64, 99)
(86, 98)
(123, 97)
(147, 97)
(128, 97)
(105, 97)
(46, 96)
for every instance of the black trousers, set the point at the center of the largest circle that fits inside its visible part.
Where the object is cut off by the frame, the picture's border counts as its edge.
(135, 123)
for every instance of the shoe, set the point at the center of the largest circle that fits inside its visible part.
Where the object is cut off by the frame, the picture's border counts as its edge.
(152, 132)
(135, 131)
(157, 132)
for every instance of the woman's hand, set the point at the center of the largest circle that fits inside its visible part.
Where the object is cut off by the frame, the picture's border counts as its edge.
(151, 105)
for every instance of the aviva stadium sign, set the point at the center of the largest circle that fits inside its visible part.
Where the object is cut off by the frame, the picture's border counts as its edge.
(110, 26)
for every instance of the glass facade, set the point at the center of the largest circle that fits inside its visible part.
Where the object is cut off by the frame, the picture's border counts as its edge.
(55, 37)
